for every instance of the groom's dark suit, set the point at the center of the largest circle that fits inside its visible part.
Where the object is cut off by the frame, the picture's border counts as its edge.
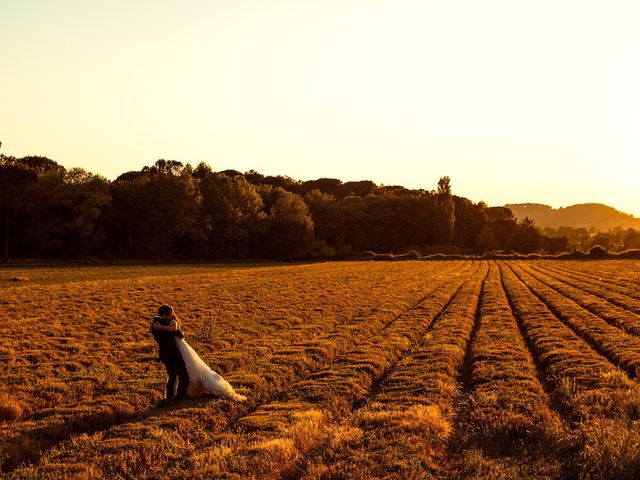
(172, 359)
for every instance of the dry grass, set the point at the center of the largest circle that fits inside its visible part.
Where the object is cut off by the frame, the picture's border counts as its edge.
(507, 414)
(359, 370)
(621, 347)
(610, 449)
(9, 408)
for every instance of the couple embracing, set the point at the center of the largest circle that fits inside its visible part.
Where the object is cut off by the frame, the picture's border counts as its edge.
(183, 364)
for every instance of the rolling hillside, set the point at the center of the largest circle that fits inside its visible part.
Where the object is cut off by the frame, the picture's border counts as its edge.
(597, 215)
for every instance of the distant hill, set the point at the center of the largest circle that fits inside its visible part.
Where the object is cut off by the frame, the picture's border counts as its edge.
(587, 215)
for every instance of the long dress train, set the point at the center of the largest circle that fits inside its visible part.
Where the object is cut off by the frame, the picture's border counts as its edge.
(201, 378)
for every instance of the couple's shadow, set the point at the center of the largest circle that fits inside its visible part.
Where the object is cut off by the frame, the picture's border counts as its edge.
(169, 405)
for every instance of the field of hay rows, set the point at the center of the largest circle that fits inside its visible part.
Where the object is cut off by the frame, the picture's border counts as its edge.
(353, 370)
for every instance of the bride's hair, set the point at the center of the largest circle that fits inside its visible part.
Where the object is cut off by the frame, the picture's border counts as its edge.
(165, 310)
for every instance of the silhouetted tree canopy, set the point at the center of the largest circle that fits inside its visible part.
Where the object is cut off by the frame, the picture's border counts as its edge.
(231, 209)
(172, 210)
(526, 238)
(15, 179)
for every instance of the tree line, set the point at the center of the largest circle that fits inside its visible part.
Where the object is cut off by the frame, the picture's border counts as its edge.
(173, 210)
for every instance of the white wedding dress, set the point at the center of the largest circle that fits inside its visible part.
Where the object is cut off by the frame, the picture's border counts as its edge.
(201, 378)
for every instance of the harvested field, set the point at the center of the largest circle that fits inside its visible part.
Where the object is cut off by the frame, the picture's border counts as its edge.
(355, 370)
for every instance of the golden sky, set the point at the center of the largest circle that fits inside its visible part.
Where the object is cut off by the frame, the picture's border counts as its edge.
(517, 101)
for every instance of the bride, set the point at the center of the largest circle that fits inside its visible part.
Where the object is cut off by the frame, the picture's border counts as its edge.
(201, 378)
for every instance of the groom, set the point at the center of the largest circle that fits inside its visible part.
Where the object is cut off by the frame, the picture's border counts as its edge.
(169, 353)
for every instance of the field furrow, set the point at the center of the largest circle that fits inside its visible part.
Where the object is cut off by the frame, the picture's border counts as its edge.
(275, 371)
(107, 406)
(307, 417)
(602, 403)
(596, 303)
(401, 431)
(622, 349)
(605, 275)
(585, 382)
(508, 411)
(417, 370)
(596, 298)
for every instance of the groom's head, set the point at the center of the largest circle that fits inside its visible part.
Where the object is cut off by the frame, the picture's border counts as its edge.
(165, 311)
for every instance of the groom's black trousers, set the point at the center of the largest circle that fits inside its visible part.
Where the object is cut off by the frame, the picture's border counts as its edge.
(177, 370)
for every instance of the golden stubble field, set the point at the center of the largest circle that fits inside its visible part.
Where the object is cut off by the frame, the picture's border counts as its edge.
(354, 370)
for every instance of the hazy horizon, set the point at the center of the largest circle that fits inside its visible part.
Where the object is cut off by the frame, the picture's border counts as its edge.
(518, 102)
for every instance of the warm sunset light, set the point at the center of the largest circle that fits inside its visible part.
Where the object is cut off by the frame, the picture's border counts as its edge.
(516, 101)
(320, 239)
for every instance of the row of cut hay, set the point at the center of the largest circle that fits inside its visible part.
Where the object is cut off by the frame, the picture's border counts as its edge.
(68, 334)
(283, 439)
(620, 276)
(597, 298)
(122, 389)
(76, 416)
(374, 306)
(260, 330)
(508, 414)
(624, 295)
(199, 422)
(602, 401)
(431, 373)
(402, 431)
(622, 349)
(585, 383)
(350, 377)
(299, 359)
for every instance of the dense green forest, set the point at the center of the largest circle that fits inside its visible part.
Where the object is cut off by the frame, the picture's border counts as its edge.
(172, 210)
